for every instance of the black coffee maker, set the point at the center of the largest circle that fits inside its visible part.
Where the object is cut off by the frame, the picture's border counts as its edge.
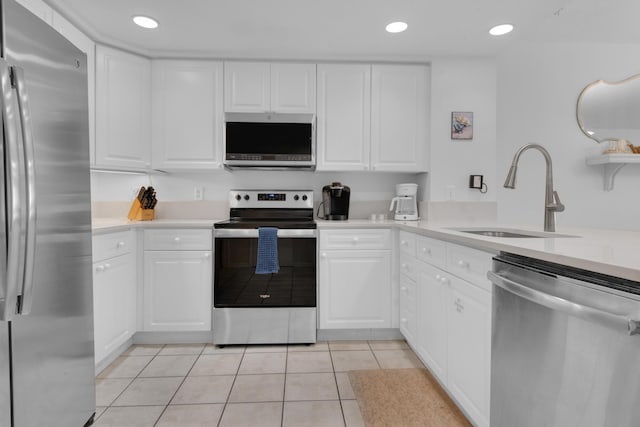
(335, 202)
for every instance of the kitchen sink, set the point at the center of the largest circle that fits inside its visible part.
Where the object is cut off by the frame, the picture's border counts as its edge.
(509, 233)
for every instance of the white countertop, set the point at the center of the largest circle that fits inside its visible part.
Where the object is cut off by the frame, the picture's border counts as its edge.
(612, 252)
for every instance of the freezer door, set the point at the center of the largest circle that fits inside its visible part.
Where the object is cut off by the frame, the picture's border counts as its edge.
(5, 386)
(52, 345)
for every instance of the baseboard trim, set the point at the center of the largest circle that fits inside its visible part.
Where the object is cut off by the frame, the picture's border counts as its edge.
(359, 334)
(106, 361)
(178, 337)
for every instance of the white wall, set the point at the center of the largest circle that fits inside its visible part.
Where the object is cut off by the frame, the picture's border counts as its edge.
(538, 86)
(464, 84)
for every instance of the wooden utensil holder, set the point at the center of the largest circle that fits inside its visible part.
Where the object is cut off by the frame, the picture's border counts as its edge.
(137, 213)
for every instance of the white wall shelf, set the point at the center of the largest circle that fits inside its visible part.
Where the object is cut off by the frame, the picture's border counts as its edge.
(612, 165)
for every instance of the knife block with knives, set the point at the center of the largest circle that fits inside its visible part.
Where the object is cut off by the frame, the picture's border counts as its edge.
(142, 208)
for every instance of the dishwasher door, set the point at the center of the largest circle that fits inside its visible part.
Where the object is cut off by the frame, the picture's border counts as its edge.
(565, 347)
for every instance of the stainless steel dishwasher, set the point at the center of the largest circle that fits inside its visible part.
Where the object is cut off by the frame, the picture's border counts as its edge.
(565, 346)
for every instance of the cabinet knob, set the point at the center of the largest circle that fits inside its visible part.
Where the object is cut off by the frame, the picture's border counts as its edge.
(403, 243)
(426, 251)
(99, 268)
(323, 255)
(176, 239)
(403, 288)
(438, 277)
(107, 266)
(207, 254)
(444, 280)
(120, 245)
(405, 267)
(403, 320)
(463, 264)
(355, 239)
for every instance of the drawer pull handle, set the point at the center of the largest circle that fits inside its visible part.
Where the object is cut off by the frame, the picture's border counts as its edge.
(463, 264)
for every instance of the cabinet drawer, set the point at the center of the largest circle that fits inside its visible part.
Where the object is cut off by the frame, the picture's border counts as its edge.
(355, 239)
(408, 266)
(407, 243)
(177, 239)
(107, 246)
(470, 264)
(431, 251)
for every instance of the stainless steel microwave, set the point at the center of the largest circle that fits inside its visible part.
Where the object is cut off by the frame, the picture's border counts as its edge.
(270, 141)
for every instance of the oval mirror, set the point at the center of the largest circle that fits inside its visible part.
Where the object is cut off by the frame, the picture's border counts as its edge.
(608, 111)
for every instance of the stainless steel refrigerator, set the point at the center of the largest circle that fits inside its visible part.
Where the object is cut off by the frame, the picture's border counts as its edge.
(46, 308)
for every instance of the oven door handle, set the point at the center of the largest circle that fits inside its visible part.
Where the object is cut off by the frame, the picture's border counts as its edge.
(556, 303)
(252, 233)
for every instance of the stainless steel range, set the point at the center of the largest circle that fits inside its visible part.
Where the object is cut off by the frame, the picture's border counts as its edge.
(273, 308)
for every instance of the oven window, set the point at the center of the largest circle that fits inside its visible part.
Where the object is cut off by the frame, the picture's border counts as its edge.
(237, 285)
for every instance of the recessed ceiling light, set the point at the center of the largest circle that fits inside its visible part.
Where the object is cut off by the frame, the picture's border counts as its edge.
(501, 29)
(145, 21)
(396, 27)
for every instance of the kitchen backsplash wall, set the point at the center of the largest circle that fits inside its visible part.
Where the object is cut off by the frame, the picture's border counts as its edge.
(111, 192)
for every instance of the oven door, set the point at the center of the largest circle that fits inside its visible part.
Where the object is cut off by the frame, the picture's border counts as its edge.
(237, 285)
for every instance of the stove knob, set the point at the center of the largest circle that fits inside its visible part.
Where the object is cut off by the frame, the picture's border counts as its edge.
(296, 197)
(238, 197)
(246, 197)
(304, 197)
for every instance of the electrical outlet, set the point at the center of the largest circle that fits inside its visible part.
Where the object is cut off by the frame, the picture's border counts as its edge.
(451, 192)
(476, 181)
(198, 193)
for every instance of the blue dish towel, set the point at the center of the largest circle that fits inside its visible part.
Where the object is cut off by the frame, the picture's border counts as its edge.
(267, 251)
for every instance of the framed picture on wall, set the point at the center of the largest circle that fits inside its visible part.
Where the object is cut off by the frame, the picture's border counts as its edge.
(461, 125)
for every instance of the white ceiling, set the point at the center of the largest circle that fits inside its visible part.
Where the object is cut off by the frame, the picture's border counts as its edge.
(346, 29)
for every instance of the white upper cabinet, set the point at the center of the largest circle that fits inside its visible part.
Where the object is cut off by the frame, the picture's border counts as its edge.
(187, 116)
(269, 87)
(399, 118)
(343, 121)
(372, 117)
(123, 104)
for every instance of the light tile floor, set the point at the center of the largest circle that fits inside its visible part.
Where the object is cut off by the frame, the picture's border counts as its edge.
(205, 385)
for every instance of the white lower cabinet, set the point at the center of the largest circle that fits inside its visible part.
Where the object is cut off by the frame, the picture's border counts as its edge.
(114, 292)
(355, 281)
(177, 283)
(452, 335)
(431, 343)
(408, 304)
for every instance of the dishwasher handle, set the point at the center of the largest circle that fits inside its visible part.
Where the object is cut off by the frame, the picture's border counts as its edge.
(556, 303)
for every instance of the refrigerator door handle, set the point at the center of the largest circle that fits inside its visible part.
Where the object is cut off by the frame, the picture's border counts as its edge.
(14, 197)
(27, 140)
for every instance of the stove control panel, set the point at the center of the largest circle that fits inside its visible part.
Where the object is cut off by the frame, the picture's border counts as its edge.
(293, 199)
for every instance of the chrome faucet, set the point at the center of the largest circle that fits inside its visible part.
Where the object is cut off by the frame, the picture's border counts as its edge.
(552, 202)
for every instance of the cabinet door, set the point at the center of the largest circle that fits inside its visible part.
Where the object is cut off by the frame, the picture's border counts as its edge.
(408, 304)
(177, 290)
(187, 115)
(343, 117)
(123, 104)
(114, 303)
(355, 289)
(432, 319)
(293, 88)
(246, 87)
(399, 117)
(469, 348)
